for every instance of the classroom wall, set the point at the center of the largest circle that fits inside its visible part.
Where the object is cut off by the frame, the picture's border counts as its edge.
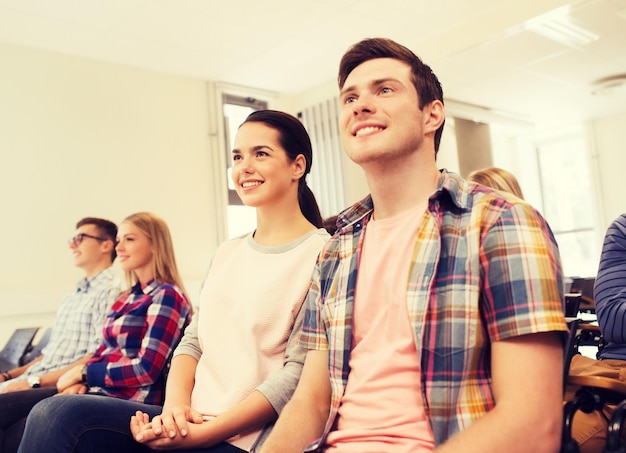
(608, 139)
(84, 138)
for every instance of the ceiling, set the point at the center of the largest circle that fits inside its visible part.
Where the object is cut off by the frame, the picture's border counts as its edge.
(483, 51)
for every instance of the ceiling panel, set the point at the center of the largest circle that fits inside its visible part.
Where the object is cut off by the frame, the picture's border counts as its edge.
(480, 49)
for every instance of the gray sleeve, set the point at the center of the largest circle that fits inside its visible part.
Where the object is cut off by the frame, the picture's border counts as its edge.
(189, 344)
(279, 387)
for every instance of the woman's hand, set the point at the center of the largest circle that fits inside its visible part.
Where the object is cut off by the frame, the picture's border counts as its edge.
(172, 422)
(16, 387)
(76, 389)
(69, 378)
(142, 430)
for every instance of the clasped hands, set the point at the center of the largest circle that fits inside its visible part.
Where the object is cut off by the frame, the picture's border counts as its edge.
(71, 383)
(176, 427)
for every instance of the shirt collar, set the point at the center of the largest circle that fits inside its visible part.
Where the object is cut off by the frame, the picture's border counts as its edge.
(82, 285)
(137, 289)
(85, 284)
(449, 184)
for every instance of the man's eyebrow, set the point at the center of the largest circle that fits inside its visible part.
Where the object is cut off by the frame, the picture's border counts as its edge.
(376, 82)
(345, 90)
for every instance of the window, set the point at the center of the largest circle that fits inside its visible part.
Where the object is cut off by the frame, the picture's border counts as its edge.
(240, 219)
(567, 195)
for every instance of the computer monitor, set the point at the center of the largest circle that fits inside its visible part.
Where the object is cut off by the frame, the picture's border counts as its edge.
(572, 304)
(583, 286)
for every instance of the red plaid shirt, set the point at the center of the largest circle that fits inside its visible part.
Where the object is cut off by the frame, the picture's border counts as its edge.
(140, 333)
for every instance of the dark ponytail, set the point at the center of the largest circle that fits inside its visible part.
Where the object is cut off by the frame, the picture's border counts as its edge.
(295, 140)
(308, 204)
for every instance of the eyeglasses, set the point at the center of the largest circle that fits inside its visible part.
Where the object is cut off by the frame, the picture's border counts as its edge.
(76, 240)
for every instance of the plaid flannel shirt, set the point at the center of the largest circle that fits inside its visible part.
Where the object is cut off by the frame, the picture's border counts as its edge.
(140, 333)
(485, 268)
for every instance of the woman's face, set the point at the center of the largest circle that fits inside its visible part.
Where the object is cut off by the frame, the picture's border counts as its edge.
(262, 172)
(134, 251)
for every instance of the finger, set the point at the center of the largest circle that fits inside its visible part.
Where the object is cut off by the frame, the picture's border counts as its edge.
(135, 428)
(142, 432)
(181, 423)
(139, 423)
(195, 417)
(171, 423)
(175, 420)
(157, 424)
(147, 437)
(143, 420)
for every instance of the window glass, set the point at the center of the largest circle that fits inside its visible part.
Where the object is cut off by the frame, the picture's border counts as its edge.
(567, 203)
(240, 219)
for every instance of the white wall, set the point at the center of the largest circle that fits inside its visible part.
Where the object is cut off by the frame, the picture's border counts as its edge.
(608, 137)
(83, 138)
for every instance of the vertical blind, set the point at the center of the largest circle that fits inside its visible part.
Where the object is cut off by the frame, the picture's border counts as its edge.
(322, 122)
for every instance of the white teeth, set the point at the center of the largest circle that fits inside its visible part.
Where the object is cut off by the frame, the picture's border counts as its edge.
(368, 130)
(250, 184)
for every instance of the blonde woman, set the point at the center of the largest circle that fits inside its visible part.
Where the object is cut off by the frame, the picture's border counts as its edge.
(497, 178)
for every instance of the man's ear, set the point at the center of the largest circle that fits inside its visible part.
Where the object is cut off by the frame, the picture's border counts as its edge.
(107, 246)
(434, 116)
(298, 166)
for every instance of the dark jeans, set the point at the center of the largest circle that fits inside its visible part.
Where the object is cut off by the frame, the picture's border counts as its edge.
(14, 408)
(90, 423)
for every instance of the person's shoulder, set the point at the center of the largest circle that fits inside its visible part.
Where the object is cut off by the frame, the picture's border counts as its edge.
(320, 235)
(169, 287)
(170, 295)
(233, 243)
(461, 196)
(619, 224)
(109, 279)
(489, 207)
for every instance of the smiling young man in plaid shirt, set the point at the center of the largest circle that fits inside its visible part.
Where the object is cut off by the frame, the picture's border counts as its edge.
(434, 320)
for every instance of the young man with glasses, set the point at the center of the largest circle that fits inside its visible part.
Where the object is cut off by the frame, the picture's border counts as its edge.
(77, 330)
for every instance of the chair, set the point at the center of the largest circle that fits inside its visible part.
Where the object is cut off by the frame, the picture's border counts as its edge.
(613, 434)
(16, 347)
(35, 351)
(594, 391)
(572, 304)
(584, 286)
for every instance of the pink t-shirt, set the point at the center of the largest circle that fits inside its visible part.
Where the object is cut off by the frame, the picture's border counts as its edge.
(382, 408)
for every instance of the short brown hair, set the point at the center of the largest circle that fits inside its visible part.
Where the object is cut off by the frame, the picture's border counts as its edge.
(106, 229)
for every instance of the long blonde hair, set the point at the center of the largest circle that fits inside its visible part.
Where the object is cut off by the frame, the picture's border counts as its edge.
(163, 261)
(497, 178)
